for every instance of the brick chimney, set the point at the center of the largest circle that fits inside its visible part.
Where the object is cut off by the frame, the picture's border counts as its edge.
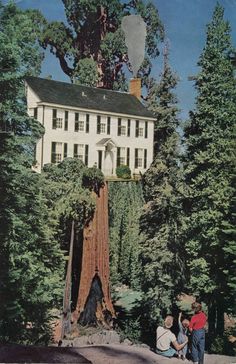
(135, 87)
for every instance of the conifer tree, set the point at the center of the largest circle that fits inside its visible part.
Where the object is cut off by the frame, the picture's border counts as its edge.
(209, 168)
(161, 219)
(30, 283)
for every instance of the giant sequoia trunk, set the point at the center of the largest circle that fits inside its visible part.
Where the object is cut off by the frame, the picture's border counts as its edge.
(94, 301)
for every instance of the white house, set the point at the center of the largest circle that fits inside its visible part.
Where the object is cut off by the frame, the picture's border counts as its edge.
(101, 127)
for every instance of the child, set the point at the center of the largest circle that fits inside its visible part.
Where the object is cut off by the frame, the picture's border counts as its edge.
(182, 336)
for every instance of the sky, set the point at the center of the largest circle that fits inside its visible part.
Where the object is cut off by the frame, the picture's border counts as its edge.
(185, 27)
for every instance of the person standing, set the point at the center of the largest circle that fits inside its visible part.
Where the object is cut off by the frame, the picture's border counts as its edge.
(196, 326)
(182, 336)
(166, 342)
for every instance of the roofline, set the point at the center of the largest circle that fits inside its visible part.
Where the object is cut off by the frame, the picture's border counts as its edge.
(147, 118)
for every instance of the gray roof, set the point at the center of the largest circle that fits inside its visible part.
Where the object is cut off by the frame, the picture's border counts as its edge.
(66, 94)
(105, 141)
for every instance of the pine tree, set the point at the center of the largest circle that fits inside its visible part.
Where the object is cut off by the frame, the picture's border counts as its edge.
(161, 219)
(209, 169)
(30, 284)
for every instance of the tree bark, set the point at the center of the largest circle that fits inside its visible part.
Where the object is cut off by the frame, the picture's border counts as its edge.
(94, 300)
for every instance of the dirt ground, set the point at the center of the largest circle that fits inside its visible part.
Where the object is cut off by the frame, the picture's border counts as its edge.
(103, 354)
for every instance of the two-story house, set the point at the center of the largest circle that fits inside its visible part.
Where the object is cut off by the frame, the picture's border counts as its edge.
(101, 127)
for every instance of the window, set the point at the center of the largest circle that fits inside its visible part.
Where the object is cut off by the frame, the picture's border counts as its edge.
(123, 130)
(102, 128)
(56, 122)
(81, 152)
(56, 152)
(81, 125)
(140, 132)
(140, 158)
(66, 120)
(123, 156)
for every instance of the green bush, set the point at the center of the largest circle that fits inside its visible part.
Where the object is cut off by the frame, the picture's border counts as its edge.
(123, 172)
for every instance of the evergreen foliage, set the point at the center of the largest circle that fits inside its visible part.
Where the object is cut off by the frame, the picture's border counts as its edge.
(123, 171)
(161, 218)
(125, 203)
(31, 261)
(93, 36)
(209, 168)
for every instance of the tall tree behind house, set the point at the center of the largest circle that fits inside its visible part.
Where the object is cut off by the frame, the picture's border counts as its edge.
(161, 218)
(91, 47)
(31, 261)
(209, 169)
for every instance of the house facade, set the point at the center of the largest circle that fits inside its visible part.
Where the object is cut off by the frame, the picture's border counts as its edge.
(103, 128)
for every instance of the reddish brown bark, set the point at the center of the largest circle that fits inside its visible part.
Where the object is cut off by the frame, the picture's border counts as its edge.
(95, 259)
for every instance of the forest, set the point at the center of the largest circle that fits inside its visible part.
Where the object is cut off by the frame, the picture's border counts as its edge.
(173, 231)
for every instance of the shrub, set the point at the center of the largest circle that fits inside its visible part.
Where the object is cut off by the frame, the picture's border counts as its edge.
(123, 172)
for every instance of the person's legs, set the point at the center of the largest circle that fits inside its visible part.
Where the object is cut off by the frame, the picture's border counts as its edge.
(201, 346)
(168, 353)
(195, 347)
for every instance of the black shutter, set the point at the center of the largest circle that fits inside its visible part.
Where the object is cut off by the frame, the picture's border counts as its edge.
(36, 113)
(136, 128)
(66, 120)
(128, 131)
(118, 157)
(119, 127)
(127, 157)
(87, 123)
(108, 125)
(75, 150)
(145, 158)
(65, 150)
(136, 158)
(54, 118)
(86, 154)
(146, 129)
(98, 124)
(53, 152)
